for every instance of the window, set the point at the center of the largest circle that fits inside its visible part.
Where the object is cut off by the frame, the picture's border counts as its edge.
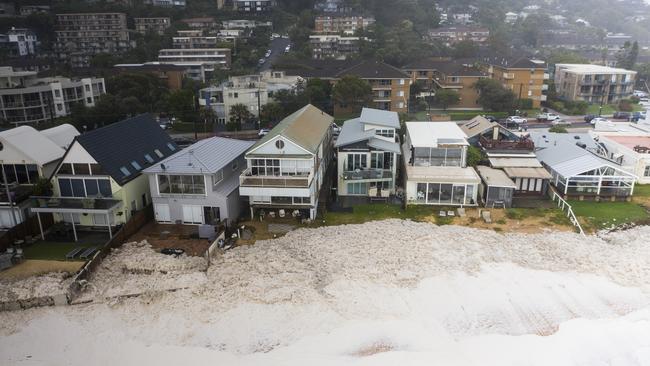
(125, 171)
(148, 158)
(265, 166)
(279, 144)
(81, 169)
(181, 184)
(234, 166)
(135, 165)
(356, 161)
(65, 168)
(385, 133)
(377, 160)
(646, 172)
(357, 188)
(171, 146)
(217, 177)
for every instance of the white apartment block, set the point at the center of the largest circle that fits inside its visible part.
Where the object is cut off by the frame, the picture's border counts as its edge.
(593, 83)
(18, 42)
(253, 6)
(333, 46)
(248, 90)
(215, 57)
(25, 98)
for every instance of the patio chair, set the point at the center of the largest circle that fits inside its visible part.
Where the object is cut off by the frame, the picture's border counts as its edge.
(74, 252)
(10, 250)
(487, 217)
(272, 214)
(451, 213)
(442, 213)
(460, 211)
(88, 253)
(19, 256)
(281, 213)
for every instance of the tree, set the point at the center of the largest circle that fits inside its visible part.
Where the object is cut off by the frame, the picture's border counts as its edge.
(493, 96)
(446, 97)
(271, 114)
(319, 93)
(353, 92)
(464, 49)
(239, 113)
(180, 103)
(474, 156)
(626, 57)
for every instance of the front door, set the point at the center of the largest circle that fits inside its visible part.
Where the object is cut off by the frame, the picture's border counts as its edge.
(211, 215)
(161, 211)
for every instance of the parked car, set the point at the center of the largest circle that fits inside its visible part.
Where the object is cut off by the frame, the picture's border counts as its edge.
(261, 61)
(546, 117)
(622, 115)
(287, 49)
(491, 118)
(593, 121)
(263, 132)
(268, 53)
(636, 116)
(516, 120)
(589, 117)
(560, 121)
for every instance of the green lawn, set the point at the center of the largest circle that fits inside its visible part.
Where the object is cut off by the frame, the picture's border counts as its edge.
(642, 190)
(601, 215)
(610, 108)
(371, 212)
(52, 250)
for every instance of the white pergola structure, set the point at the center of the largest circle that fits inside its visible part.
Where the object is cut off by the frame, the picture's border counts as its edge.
(597, 179)
(69, 206)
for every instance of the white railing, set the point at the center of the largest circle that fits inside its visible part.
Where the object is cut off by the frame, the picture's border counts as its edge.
(565, 206)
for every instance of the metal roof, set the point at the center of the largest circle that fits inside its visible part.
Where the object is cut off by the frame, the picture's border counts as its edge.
(477, 126)
(62, 135)
(495, 177)
(442, 174)
(305, 127)
(379, 117)
(430, 134)
(353, 132)
(204, 157)
(544, 139)
(569, 160)
(384, 145)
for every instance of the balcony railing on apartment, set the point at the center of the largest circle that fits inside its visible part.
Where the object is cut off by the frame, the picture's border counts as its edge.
(247, 179)
(367, 174)
(502, 145)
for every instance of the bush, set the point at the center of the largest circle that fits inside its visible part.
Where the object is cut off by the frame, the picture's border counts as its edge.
(625, 105)
(558, 129)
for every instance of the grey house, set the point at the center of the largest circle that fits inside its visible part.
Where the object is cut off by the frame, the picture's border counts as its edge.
(199, 184)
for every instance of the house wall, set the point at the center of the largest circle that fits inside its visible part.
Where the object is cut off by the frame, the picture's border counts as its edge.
(229, 205)
(633, 161)
(397, 101)
(342, 188)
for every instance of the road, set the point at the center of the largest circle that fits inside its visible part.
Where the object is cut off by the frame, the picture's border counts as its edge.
(277, 48)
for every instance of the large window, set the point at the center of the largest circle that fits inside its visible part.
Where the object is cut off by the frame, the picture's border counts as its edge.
(385, 133)
(356, 161)
(265, 166)
(425, 156)
(444, 193)
(357, 188)
(82, 187)
(21, 173)
(181, 184)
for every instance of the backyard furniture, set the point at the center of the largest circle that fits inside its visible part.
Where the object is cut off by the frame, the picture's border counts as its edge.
(281, 213)
(487, 217)
(451, 213)
(460, 211)
(88, 253)
(74, 252)
(442, 213)
(10, 250)
(19, 256)
(296, 213)
(272, 214)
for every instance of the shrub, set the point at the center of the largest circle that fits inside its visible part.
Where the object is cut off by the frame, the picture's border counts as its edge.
(501, 221)
(625, 105)
(558, 129)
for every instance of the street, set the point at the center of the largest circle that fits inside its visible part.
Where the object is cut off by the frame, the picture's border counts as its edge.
(277, 48)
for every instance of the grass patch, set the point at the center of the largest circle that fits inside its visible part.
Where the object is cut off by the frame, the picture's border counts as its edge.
(52, 250)
(524, 213)
(501, 222)
(372, 212)
(601, 215)
(611, 108)
(642, 190)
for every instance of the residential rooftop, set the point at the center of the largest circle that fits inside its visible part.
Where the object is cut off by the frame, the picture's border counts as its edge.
(592, 69)
(432, 134)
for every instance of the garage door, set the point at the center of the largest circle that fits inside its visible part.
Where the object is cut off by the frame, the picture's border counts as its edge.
(192, 214)
(162, 212)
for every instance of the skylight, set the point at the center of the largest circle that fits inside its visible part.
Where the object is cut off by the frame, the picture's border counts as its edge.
(171, 147)
(136, 165)
(160, 155)
(148, 158)
(125, 171)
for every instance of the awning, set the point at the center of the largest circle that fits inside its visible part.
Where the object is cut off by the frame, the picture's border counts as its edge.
(523, 162)
(527, 173)
(442, 174)
(495, 177)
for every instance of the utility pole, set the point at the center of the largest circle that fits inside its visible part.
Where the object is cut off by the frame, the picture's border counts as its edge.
(259, 108)
(195, 101)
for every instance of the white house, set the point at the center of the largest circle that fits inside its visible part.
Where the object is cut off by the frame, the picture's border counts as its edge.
(367, 148)
(436, 171)
(627, 144)
(286, 168)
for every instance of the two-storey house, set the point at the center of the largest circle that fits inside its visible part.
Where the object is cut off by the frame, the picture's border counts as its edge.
(367, 151)
(99, 181)
(436, 171)
(286, 168)
(198, 185)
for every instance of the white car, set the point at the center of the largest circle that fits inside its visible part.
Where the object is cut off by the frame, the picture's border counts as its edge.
(268, 53)
(560, 121)
(516, 119)
(545, 117)
(263, 132)
(598, 119)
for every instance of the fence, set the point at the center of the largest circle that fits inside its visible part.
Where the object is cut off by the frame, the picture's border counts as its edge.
(214, 246)
(26, 228)
(564, 205)
(120, 237)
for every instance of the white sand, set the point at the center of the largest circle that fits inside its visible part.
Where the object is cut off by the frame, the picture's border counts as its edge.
(382, 293)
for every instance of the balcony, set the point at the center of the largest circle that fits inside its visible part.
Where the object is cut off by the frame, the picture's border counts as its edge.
(523, 145)
(74, 204)
(508, 75)
(247, 179)
(544, 87)
(368, 174)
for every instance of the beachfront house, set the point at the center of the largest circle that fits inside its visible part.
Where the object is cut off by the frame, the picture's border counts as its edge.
(98, 183)
(26, 156)
(286, 168)
(436, 171)
(367, 152)
(497, 189)
(626, 143)
(199, 184)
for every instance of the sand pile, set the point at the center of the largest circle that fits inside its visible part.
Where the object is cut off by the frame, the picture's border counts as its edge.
(50, 284)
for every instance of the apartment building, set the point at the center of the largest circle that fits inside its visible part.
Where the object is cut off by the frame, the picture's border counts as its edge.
(205, 24)
(26, 10)
(194, 41)
(333, 46)
(82, 35)
(435, 161)
(166, 3)
(327, 24)
(171, 75)
(253, 6)
(244, 24)
(286, 168)
(248, 90)
(454, 34)
(367, 156)
(156, 25)
(19, 42)
(212, 57)
(593, 83)
(524, 76)
(457, 75)
(390, 86)
(26, 98)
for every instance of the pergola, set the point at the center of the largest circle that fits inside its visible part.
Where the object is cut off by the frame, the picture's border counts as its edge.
(71, 206)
